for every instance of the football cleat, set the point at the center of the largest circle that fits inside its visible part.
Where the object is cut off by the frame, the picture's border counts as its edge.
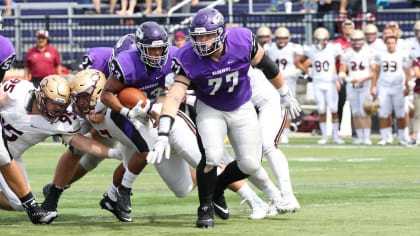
(109, 205)
(357, 141)
(382, 142)
(284, 139)
(46, 190)
(367, 141)
(220, 207)
(338, 141)
(323, 141)
(259, 209)
(37, 215)
(205, 216)
(289, 203)
(124, 198)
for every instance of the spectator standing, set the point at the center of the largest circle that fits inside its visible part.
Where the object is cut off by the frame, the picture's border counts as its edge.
(8, 4)
(41, 60)
(180, 39)
(347, 28)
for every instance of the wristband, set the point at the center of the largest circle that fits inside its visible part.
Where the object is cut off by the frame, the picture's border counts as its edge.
(165, 124)
(124, 111)
(283, 90)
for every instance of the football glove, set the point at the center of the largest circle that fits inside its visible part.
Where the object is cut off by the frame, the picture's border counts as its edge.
(160, 149)
(289, 102)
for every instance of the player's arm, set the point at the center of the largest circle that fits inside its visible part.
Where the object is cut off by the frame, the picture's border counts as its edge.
(108, 96)
(91, 146)
(303, 63)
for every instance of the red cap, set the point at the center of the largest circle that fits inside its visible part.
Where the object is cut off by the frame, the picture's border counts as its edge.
(42, 33)
(179, 35)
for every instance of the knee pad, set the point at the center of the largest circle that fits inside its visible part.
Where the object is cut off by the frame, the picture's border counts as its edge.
(249, 165)
(89, 162)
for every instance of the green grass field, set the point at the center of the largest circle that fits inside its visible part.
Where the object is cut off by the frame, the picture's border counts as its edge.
(343, 190)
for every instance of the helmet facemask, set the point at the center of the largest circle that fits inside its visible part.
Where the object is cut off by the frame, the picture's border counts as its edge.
(51, 109)
(152, 60)
(208, 47)
(86, 89)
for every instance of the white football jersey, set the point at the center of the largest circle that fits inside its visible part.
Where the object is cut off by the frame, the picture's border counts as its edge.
(23, 129)
(412, 45)
(358, 63)
(391, 65)
(285, 57)
(323, 62)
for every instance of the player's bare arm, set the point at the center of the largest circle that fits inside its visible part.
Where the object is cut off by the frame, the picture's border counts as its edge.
(108, 97)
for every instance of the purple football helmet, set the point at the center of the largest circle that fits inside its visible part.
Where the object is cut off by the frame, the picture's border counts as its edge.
(126, 42)
(207, 21)
(151, 35)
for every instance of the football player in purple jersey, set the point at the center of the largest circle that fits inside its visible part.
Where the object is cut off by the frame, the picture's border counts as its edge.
(216, 63)
(12, 173)
(70, 169)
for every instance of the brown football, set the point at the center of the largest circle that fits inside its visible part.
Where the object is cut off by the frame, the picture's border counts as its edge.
(129, 97)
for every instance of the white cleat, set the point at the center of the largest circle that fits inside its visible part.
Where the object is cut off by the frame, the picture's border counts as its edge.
(357, 141)
(367, 142)
(382, 142)
(338, 141)
(390, 140)
(289, 203)
(284, 139)
(259, 209)
(323, 141)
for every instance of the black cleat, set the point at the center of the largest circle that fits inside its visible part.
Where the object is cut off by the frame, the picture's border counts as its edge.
(109, 205)
(124, 201)
(220, 207)
(205, 217)
(38, 215)
(46, 190)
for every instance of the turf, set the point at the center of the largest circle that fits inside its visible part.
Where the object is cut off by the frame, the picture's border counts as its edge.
(343, 190)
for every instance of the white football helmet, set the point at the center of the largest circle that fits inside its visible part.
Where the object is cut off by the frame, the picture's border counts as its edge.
(86, 89)
(321, 37)
(282, 35)
(53, 97)
(357, 39)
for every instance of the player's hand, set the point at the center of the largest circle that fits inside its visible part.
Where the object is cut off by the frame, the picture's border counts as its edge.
(139, 112)
(291, 104)
(115, 153)
(160, 149)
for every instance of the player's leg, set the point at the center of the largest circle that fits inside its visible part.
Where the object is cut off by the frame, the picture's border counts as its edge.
(212, 130)
(332, 101)
(320, 99)
(271, 119)
(384, 111)
(246, 140)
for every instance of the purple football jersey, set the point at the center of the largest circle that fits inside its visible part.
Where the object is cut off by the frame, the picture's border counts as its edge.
(222, 84)
(97, 58)
(130, 70)
(7, 55)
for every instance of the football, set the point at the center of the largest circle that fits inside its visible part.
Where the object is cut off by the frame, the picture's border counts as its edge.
(130, 96)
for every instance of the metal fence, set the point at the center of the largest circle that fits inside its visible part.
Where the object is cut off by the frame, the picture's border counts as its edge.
(73, 34)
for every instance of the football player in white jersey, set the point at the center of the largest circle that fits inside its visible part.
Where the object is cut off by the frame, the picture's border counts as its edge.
(357, 66)
(323, 55)
(10, 168)
(390, 85)
(264, 35)
(283, 53)
(371, 34)
(30, 115)
(272, 120)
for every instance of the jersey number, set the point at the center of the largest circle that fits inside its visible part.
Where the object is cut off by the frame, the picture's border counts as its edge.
(217, 82)
(321, 66)
(390, 66)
